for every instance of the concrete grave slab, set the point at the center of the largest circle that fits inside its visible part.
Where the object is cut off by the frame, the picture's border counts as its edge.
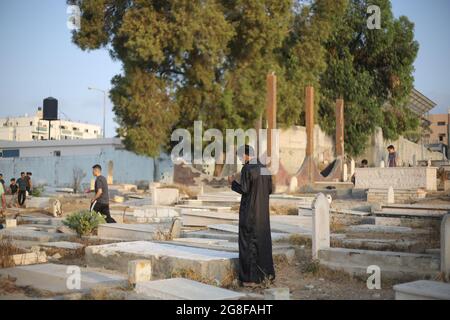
(66, 245)
(20, 233)
(130, 231)
(422, 290)
(205, 218)
(53, 277)
(167, 259)
(184, 289)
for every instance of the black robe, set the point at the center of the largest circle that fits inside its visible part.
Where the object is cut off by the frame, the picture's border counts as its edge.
(255, 241)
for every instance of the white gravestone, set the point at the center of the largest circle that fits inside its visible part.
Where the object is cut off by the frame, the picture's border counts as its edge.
(382, 165)
(320, 225)
(352, 167)
(390, 196)
(345, 173)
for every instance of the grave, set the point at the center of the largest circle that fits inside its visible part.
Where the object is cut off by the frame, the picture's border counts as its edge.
(125, 231)
(320, 225)
(53, 277)
(65, 245)
(21, 233)
(422, 290)
(167, 259)
(184, 289)
(164, 196)
(199, 218)
(399, 178)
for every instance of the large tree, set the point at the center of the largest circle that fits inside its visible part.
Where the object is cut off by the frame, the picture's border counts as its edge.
(186, 60)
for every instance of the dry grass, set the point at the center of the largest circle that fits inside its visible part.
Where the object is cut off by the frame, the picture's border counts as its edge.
(283, 210)
(229, 280)
(298, 240)
(7, 250)
(336, 226)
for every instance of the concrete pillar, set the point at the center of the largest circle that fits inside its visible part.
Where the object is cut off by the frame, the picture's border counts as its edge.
(271, 111)
(154, 191)
(340, 127)
(309, 119)
(445, 245)
(293, 184)
(320, 225)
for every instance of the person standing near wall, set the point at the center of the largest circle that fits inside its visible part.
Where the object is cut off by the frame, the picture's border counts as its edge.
(29, 183)
(22, 193)
(393, 159)
(100, 202)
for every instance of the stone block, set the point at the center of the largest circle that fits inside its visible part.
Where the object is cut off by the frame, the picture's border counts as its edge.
(320, 225)
(445, 245)
(277, 294)
(126, 231)
(139, 271)
(184, 289)
(24, 259)
(10, 223)
(398, 178)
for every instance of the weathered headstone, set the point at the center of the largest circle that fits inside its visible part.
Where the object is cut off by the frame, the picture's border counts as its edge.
(154, 195)
(321, 224)
(390, 196)
(414, 161)
(139, 271)
(445, 245)
(345, 173)
(382, 164)
(352, 167)
(56, 208)
(293, 185)
(175, 230)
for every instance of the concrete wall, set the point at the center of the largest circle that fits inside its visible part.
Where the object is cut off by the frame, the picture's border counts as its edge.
(58, 171)
(407, 151)
(293, 148)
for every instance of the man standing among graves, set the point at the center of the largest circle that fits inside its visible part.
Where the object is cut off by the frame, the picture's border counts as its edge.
(100, 202)
(393, 159)
(2, 197)
(22, 193)
(255, 242)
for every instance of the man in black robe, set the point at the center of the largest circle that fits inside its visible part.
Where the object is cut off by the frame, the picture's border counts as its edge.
(255, 241)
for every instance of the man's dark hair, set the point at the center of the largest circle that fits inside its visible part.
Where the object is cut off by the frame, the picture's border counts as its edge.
(29, 174)
(247, 150)
(391, 147)
(22, 173)
(364, 162)
(12, 179)
(97, 166)
(1, 174)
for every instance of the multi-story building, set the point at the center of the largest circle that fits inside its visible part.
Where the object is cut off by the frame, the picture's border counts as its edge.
(29, 128)
(439, 126)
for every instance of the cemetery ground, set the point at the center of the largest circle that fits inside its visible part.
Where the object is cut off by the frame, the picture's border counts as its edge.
(192, 234)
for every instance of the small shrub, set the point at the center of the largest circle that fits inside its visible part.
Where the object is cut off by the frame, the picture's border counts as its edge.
(37, 191)
(84, 222)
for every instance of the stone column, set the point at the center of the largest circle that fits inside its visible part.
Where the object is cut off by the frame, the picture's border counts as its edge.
(320, 225)
(271, 109)
(352, 167)
(309, 119)
(445, 245)
(339, 128)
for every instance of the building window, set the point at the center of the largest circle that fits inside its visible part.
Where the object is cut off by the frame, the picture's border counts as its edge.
(441, 123)
(86, 130)
(31, 123)
(441, 137)
(57, 153)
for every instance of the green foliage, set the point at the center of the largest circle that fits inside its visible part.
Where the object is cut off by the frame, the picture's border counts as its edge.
(37, 191)
(84, 222)
(186, 60)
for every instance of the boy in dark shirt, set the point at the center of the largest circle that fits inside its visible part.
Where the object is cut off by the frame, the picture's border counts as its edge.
(13, 186)
(29, 183)
(100, 202)
(22, 193)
